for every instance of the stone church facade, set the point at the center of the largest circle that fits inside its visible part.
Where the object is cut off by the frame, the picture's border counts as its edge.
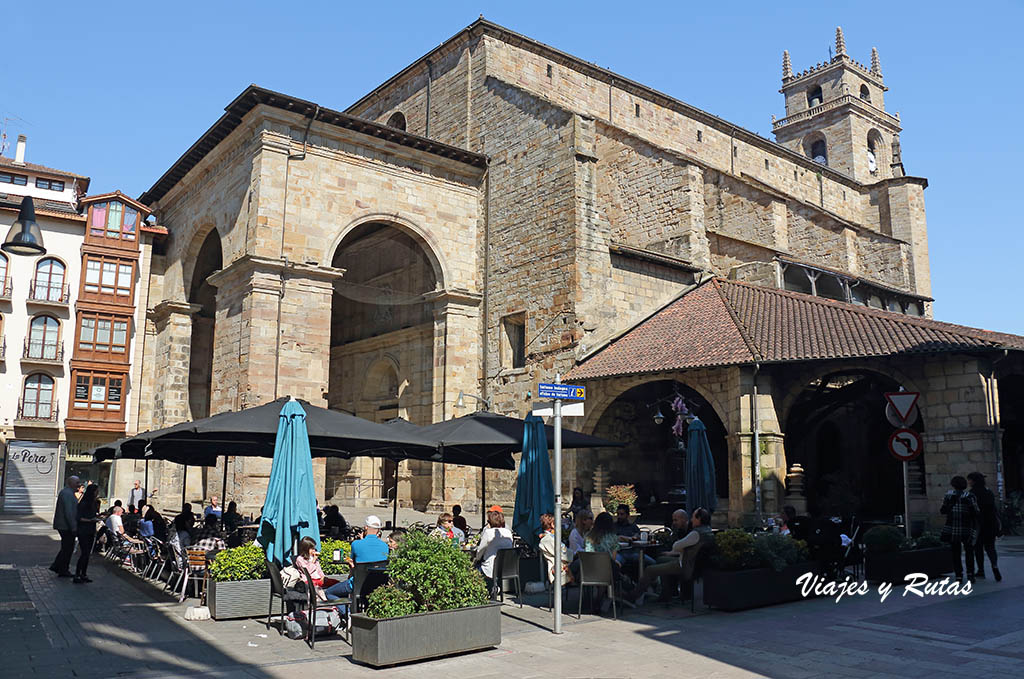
(500, 213)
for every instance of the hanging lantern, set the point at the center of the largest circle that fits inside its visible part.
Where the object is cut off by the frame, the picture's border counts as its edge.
(25, 238)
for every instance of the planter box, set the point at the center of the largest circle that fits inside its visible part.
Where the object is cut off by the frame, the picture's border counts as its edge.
(241, 599)
(739, 590)
(425, 635)
(894, 566)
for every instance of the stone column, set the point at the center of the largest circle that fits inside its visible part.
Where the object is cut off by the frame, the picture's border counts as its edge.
(172, 322)
(273, 335)
(456, 368)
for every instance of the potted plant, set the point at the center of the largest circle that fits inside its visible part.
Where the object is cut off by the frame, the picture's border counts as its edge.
(747, 572)
(239, 587)
(889, 557)
(434, 604)
(620, 495)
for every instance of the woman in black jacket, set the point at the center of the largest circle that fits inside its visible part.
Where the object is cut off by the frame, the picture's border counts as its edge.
(88, 508)
(988, 527)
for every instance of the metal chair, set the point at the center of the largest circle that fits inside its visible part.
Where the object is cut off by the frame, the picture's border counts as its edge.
(506, 567)
(313, 604)
(277, 589)
(596, 571)
(366, 577)
(194, 572)
(550, 586)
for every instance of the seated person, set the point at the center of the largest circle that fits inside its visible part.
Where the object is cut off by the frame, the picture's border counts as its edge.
(547, 548)
(145, 527)
(445, 529)
(183, 524)
(334, 522)
(458, 520)
(684, 553)
(492, 539)
(231, 518)
(115, 524)
(628, 530)
(157, 522)
(209, 537)
(368, 549)
(214, 508)
(327, 589)
(577, 538)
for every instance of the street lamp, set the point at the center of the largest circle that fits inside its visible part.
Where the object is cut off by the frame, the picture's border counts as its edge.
(25, 238)
(460, 402)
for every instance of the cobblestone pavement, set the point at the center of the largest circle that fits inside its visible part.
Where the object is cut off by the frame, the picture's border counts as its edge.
(121, 626)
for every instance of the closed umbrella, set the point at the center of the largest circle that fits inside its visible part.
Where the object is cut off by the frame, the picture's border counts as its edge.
(289, 513)
(700, 470)
(535, 494)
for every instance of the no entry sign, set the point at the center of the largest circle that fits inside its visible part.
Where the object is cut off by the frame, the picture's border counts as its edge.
(905, 444)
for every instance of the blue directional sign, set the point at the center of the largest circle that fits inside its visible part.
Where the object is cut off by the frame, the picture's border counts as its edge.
(564, 392)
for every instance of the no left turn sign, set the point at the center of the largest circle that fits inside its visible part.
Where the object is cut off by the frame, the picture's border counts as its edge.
(905, 444)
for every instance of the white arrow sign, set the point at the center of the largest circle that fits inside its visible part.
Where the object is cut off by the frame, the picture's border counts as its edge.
(903, 402)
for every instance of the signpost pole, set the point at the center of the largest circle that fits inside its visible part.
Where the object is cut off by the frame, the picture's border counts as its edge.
(906, 498)
(557, 608)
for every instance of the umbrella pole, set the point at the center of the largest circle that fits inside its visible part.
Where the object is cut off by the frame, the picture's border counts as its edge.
(394, 510)
(184, 482)
(483, 497)
(224, 487)
(145, 482)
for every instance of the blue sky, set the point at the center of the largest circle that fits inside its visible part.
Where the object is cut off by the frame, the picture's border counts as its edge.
(118, 91)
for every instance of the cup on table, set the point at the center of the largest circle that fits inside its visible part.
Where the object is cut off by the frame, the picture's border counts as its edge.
(644, 535)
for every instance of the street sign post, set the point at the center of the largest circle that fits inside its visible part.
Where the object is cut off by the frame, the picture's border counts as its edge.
(559, 392)
(904, 444)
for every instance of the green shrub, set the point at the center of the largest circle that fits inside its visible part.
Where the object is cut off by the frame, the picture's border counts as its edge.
(778, 551)
(734, 550)
(925, 541)
(620, 495)
(327, 547)
(435, 573)
(883, 539)
(248, 562)
(390, 602)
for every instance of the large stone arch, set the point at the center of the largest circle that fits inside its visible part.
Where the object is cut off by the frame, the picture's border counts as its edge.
(190, 255)
(609, 390)
(431, 246)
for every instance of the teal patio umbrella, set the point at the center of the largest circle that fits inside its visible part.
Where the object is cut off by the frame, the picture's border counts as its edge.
(289, 513)
(535, 494)
(700, 470)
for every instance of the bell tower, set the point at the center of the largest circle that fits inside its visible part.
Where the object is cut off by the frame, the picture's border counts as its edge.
(835, 115)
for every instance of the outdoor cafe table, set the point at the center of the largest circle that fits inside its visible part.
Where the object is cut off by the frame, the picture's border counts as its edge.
(642, 546)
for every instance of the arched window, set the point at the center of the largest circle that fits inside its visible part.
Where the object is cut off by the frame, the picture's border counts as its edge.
(819, 152)
(865, 93)
(43, 338)
(874, 148)
(37, 397)
(814, 97)
(49, 281)
(397, 121)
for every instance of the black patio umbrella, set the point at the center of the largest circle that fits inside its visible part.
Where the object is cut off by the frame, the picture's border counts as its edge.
(489, 436)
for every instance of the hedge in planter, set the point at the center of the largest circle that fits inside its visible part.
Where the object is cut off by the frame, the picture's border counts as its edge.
(239, 587)
(435, 604)
(889, 557)
(748, 572)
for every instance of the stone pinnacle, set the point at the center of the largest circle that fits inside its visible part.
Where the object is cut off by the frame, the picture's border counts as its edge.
(840, 42)
(787, 68)
(876, 65)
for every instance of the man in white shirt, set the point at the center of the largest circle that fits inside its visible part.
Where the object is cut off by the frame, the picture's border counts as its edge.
(685, 550)
(577, 538)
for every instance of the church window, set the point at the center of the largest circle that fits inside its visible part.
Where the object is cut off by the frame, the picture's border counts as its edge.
(397, 121)
(513, 341)
(700, 136)
(865, 94)
(819, 152)
(766, 166)
(637, 109)
(814, 97)
(913, 309)
(549, 70)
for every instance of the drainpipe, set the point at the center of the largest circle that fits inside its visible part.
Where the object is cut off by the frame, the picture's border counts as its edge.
(284, 222)
(757, 450)
(997, 443)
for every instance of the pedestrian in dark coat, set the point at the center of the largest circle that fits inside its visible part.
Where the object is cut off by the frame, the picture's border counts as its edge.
(961, 529)
(988, 526)
(65, 521)
(88, 509)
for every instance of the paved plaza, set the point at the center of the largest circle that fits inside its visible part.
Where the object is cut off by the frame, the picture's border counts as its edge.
(122, 626)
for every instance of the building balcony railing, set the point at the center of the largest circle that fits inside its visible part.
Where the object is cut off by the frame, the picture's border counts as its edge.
(36, 351)
(43, 293)
(6, 287)
(836, 103)
(3, 349)
(38, 414)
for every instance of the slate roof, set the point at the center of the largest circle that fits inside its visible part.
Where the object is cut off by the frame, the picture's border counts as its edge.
(52, 208)
(723, 322)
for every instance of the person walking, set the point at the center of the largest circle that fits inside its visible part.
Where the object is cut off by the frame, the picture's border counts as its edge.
(88, 509)
(988, 526)
(961, 510)
(65, 522)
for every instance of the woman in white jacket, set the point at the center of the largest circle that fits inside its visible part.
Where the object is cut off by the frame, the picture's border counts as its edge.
(547, 548)
(492, 539)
